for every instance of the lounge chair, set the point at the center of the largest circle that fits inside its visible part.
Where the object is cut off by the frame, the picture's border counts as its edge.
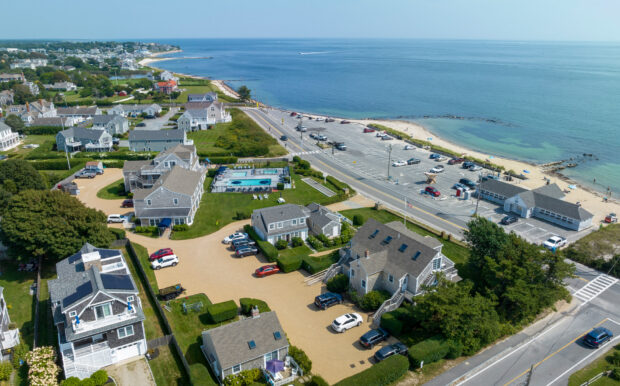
(266, 196)
(254, 196)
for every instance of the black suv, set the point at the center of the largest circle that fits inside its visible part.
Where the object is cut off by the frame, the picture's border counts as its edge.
(467, 164)
(509, 220)
(241, 243)
(467, 182)
(388, 351)
(327, 299)
(373, 337)
(413, 161)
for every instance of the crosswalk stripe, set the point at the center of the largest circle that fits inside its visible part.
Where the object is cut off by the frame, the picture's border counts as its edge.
(595, 287)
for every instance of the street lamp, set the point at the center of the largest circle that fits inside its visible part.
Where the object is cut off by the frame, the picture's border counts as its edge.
(389, 150)
(478, 193)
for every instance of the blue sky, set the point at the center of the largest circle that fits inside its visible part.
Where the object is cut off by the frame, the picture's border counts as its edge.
(569, 20)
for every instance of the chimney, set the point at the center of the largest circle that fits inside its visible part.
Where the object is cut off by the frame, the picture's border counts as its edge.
(27, 107)
(367, 254)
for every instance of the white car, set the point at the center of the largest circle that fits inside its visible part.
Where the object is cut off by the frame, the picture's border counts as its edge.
(555, 242)
(234, 237)
(346, 321)
(166, 261)
(321, 137)
(475, 168)
(437, 169)
(115, 218)
(380, 134)
(409, 147)
(399, 163)
(320, 119)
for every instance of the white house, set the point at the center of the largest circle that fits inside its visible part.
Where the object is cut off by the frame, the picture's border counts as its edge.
(200, 116)
(8, 138)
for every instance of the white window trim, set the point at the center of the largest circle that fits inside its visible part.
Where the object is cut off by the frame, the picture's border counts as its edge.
(124, 331)
(280, 225)
(238, 371)
(175, 201)
(72, 314)
(130, 298)
(272, 226)
(109, 304)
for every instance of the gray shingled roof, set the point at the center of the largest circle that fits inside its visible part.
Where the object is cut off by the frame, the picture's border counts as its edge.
(156, 135)
(105, 119)
(320, 215)
(501, 188)
(178, 180)
(552, 190)
(388, 254)
(131, 166)
(264, 216)
(82, 133)
(197, 113)
(50, 121)
(91, 110)
(533, 199)
(4, 126)
(230, 341)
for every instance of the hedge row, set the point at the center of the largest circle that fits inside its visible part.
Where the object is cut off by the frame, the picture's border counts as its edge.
(268, 250)
(247, 304)
(220, 312)
(289, 263)
(118, 155)
(428, 351)
(383, 373)
(40, 130)
(57, 164)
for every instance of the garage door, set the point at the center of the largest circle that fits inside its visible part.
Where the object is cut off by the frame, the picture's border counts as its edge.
(127, 352)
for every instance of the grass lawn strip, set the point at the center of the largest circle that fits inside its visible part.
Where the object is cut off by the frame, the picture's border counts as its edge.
(19, 302)
(598, 366)
(114, 191)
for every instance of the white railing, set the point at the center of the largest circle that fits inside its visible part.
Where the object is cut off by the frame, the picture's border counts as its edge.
(333, 270)
(296, 371)
(91, 349)
(389, 305)
(85, 326)
(11, 338)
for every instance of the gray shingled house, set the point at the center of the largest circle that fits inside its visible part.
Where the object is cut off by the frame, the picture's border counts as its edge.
(97, 311)
(174, 198)
(321, 220)
(113, 124)
(143, 174)
(282, 222)
(9, 338)
(157, 140)
(249, 344)
(135, 110)
(81, 139)
(545, 203)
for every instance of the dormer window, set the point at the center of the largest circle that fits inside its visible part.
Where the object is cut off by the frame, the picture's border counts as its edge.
(72, 314)
(294, 221)
(148, 202)
(175, 201)
(302, 220)
(272, 226)
(102, 311)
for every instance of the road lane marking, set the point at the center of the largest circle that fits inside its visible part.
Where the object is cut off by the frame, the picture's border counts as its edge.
(594, 288)
(551, 355)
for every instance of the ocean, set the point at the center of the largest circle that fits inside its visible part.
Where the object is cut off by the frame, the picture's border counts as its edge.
(531, 101)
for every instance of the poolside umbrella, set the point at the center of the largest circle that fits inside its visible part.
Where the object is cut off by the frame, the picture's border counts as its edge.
(526, 171)
(274, 366)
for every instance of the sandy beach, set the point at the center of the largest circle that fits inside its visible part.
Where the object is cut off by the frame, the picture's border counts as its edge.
(155, 57)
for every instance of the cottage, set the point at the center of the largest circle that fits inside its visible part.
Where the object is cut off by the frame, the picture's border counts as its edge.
(8, 138)
(96, 166)
(253, 343)
(53, 122)
(166, 87)
(4, 77)
(206, 97)
(143, 174)
(30, 111)
(167, 75)
(78, 112)
(545, 203)
(157, 140)
(113, 124)
(7, 97)
(61, 86)
(9, 337)
(201, 116)
(172, 200)
(136, 110)
(97, 311)
(281, 222)
(321, 220)
(81, 139)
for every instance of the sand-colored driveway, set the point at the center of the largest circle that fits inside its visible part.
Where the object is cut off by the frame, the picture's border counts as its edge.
(208, 266)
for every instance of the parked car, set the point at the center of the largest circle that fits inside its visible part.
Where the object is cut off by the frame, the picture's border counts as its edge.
(320, 119)
(171, 292)
(115, 218)
(467, 164)
(86, 174)
(434, 156)
(437, 169)
(327, 120)
(441, 159)
(490, 177)
(340, 146)
(467, 182)
(409, 147)
(380, 134)
(555, 242)
(128, 203)
(166, 261)
(399, 163)
(161, 253)
(326, 300)
(432, 191)
(413, 161)
(303, 129)
(344, 122)
(373, 337)
(387, 138)
(141, 124)
(246, 250)
(321, 137)
(242, 243)
(235, 236)
(597, 337)
(293, 114)
(368, 130)
(458, 185)
(455, 161)
(284, 138)
(346, 322)
(267, 270)
(509, 220)
(388, 351)
(475, 168)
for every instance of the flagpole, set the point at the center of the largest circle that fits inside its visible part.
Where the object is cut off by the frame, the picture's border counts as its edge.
(405, 214)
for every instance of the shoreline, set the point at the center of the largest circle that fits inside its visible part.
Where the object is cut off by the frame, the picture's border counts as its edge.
(590, 199)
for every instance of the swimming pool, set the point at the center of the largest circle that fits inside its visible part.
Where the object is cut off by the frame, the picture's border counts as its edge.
(239, 174)
(250, 182)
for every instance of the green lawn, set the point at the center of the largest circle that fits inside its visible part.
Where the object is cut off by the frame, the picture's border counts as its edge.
(19, 302)
(304, 250)
(595, 368)
(455, 252)
(143, 256)
(114, 191)
(45, 142)
(166, 367)
(193, 90)
(219, 209)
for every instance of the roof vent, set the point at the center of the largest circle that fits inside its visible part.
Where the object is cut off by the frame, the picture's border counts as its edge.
(417, 254)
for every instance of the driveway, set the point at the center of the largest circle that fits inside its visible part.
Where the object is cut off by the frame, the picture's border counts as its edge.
(207, 266)
(158, 123)
(131, 372)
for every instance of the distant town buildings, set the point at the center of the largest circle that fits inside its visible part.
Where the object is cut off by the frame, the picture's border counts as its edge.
(61, 86)
(29, 63)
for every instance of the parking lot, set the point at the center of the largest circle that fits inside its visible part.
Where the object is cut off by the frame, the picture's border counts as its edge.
(367, 158)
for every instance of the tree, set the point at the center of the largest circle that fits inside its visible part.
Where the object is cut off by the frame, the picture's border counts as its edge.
(22, 94)
(14, 122)
(21, 174)
(51, 224)
(244, 93)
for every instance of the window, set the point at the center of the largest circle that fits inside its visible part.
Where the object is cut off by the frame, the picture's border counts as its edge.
(374, 234)
(124, 332)
(417, 254)
(148, 202)
(279, 225)
(103, 311)
(236, 369)
(387, 240)
(352, 273)
(391, 278)
(252, 345)
(271, 356)
(437, 264)
(277, 335)
(272, 226)
(294, 221)
(302, 221)
(363, 283)
(130, 298)
(402, 248)
(72, 314)
(175, 201)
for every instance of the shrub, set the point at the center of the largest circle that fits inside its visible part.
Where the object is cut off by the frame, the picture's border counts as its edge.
(220, 312)
(301, 358)
(211, 173)
(323, 239)
(71, 381)
(373, 300)
(281, 244)
(614, 358)
(268, 250)
(289, 263)
(87, 382)
(280, 186)
(455, 349)
(99, 377)
(314, 242)
(391, 324)
(180, 227)
(303, 164)
(615, 373)
(338, 283)
(244, 378)
(428, 351)
(317, 381)
(315, 264)
(247, 304)
(383, 373)
(119, 233)
(5, 370)
(19, 353)
(297, 242)
(358, 220)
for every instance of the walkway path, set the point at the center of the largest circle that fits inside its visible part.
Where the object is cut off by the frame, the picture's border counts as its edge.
(326, 191)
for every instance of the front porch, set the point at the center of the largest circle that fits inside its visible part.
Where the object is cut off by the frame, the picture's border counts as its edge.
(286, 376)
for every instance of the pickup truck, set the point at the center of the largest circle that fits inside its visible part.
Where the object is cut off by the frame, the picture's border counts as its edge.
(340, 146)
(171, 292)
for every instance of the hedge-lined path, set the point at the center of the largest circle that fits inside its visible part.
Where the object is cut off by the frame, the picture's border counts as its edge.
(208, 266)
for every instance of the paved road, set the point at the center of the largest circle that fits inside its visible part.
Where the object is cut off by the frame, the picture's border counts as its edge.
(364, 166)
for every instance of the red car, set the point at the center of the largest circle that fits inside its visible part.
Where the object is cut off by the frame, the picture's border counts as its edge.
(455, 161)
(127, 204)
(293, 114)
(368, 130)
(267, 270)
(432, 191)
(161, 253)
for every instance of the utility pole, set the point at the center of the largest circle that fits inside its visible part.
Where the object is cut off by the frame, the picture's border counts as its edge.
(478, 193)
(62, 123)
(389, 150)
(405, 213)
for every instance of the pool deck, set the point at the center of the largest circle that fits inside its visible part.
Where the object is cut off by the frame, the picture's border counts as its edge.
(241, 180)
